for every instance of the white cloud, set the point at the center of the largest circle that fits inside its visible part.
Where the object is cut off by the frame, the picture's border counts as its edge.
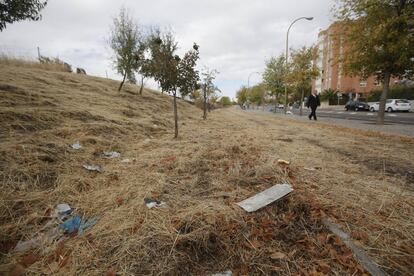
(235, 37)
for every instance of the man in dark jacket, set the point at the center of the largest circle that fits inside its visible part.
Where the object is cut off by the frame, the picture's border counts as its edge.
(313, 102)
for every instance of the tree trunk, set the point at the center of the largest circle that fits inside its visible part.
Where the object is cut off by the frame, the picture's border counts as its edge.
(122, 83)
(383, 98)
(205, 104)
(175, 116)
(142, 86)
(301, 103)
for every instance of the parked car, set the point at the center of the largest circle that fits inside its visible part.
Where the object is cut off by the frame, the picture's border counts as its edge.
(392, 105)
(356, 105)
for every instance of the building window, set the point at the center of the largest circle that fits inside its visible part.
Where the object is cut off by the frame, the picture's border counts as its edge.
(377, 82)
(363, 84)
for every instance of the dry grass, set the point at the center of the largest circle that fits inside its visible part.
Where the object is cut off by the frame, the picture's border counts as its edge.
(6, 60)
(200, 176)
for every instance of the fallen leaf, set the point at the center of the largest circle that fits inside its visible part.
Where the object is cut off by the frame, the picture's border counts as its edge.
(283, 162)
(119, 201)
(278, 256)
(29, 259)
(359, 235)
(111, 272)
(17, 270)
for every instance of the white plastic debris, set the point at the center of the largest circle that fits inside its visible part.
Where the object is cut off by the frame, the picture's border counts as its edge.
(97, 168)
(62, 210)
(224, 273)
(111, 154)
(76, 146)
(289, 112)
(266, 197)
(126, 160)
(153, 203)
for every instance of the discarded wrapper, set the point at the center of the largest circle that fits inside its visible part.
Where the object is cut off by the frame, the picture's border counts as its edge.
(62, 210)
(97, 168)
(151, 203)
(76, 146)
(284, 162)
(111, 154)
(126, 160)
(266, 197)
(224, 273)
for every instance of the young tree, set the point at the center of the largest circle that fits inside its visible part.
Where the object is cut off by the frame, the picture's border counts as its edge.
(302, 71)
(379, 40)
(128, 46)
(273, 76)
(242, 95)
(171, 72)
(208, 88)
(12, 10)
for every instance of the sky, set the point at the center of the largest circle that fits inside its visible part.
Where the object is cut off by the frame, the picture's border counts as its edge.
(235, 37)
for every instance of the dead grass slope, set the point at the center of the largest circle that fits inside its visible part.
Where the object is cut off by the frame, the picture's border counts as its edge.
(200, 176)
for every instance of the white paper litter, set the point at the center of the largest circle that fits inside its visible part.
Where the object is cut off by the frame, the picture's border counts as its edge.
(266, 197)
(111, 154)
(224, 273)
(76, 146)
(126, 160)
(97, 168)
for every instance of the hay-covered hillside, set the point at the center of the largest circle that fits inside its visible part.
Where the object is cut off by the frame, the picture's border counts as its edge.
(362, 181)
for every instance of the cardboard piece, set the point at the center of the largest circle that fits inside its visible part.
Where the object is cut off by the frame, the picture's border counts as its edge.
(266, 197)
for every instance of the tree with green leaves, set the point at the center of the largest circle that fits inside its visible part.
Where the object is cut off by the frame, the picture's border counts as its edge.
(274, 75)
(378, 36)
(225, 101)
(256, 94)
(128, 44)
(12, 11)
(302, 71)
(208, 88)
(242, 95)
(173, 74)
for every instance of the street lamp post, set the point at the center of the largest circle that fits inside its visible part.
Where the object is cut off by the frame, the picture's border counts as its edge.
(287, 53)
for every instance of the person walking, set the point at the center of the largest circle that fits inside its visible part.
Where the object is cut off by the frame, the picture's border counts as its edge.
(313, 102)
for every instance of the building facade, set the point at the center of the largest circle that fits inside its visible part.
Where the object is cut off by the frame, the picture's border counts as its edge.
(331, 47)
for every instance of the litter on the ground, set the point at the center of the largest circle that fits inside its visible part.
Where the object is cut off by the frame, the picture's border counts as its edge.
(71, 225)
(151, 203)
(111, 154)
(42, 239)
(56, 228)
(289, 112)
(76, 146)
(97, 168)
(283, 162)
(312, 168)
(77, 224)
(358, 252)
(224, 273)
(266, 197)
(62, 210)
(126, 160)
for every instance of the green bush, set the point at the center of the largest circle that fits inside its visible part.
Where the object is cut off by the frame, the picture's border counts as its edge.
(396, 92)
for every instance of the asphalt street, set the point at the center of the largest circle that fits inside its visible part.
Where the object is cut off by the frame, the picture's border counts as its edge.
(369, 117)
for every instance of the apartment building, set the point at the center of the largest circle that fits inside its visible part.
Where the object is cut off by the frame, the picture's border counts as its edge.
(331, 47)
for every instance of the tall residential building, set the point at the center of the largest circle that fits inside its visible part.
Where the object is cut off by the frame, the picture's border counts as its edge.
(331, 47)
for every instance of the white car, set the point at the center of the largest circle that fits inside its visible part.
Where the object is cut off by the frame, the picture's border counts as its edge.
(392, 105)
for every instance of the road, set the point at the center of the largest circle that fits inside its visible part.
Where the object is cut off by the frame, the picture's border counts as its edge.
(399, 123)
(369, 117)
